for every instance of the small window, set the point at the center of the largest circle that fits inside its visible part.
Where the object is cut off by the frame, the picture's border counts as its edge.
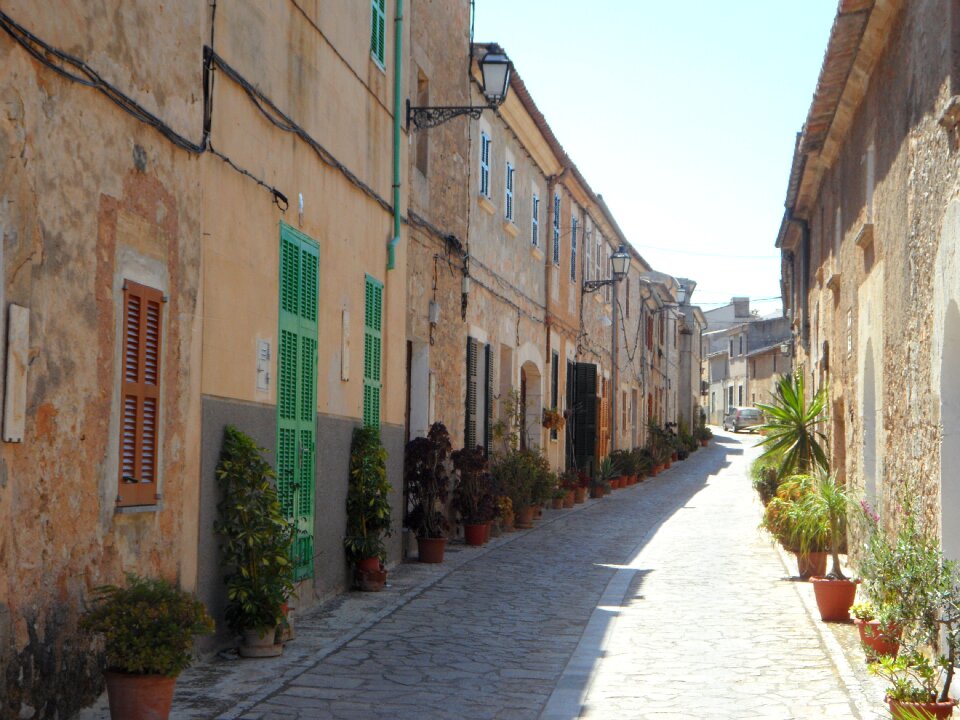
(378, 24)
(588, 251)
(741, 345)
(535, 221)
(573, 249)
(556, 229)
(140, 395)
(485, 165)
(509, 193)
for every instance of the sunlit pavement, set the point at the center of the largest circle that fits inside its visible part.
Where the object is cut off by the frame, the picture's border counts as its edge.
(662, 600)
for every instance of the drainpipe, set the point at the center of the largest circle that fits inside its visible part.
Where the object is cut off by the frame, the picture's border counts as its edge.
(397, 93)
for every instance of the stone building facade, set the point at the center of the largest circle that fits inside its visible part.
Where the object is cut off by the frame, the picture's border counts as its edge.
(869, 246)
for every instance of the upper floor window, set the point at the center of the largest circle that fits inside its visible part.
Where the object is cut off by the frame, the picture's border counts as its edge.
(485, 164)
(378, 24)
(509, 192)
(587, 252)
(556, 229)
(871, 179)
(573, 248)
(535, 221)
(741, 345)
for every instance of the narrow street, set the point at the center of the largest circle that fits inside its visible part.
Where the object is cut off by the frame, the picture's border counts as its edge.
(662, 600)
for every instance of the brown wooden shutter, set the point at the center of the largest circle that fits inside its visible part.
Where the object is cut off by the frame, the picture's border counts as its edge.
(140, 393)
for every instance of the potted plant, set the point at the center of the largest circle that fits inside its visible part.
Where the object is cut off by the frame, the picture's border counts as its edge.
(645, 463)
(625, 462)
(570, 482)
(473, 497)
(826, 504)
(781, 519)
(148, 629)
(601, 481)
(914, 682)
(790, 431)
(368, 509)
(505, 512)
(514, 474)
(426, 473)
(553, 419)
(879, 635)
(256, 542)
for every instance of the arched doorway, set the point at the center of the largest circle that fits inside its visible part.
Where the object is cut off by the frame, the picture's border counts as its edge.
(950, 420)
(531, 405)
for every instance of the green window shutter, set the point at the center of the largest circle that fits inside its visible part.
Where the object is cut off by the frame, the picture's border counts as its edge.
(470, 419)
(488, 400)
(372, 351)
(377, 30)
(296, 391)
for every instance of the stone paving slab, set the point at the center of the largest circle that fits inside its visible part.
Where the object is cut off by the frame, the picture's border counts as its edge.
(660, 601)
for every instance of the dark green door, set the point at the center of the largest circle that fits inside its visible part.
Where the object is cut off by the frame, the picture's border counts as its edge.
(296, 389)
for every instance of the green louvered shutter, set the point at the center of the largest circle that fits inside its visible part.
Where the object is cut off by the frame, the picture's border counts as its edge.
(378, 24)
(372, 351)
(470, 415)
(297, 390)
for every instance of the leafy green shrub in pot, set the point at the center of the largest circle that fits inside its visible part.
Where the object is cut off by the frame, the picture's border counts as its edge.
(780, 517)
(473, 496)
(427, 475)
(368, 497)
(824, 506)
(256, 538)
(523, 476)
(791, 427)
(148, 626)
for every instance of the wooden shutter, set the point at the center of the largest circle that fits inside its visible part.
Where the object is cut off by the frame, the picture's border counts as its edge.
(585, 412)
(556, 229)
(488, 400)
(372, 351)
(140, 392)
(470, 416)
(377, 30)
(573, 248)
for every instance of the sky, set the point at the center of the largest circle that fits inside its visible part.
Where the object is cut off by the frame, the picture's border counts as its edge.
(683, 115)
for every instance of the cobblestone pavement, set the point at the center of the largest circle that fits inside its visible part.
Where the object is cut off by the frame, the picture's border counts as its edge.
(660, 601)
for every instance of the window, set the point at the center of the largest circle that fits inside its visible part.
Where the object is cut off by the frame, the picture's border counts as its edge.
(731, 347)
(377, 30)
(588, 251)
(741, 345)
(598, 257)
(535, 221)
(509, 193)
(372, 339)
(739, 395)
(485, 165)
(871, 179)
(554, 387)
(556, 229)
(573, 249)
(140, 392)
(478, 425)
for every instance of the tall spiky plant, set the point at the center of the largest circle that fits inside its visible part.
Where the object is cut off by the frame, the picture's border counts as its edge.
(791, 427)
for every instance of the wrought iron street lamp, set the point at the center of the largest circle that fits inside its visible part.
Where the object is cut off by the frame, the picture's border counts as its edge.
(619, 264)
(495, 68)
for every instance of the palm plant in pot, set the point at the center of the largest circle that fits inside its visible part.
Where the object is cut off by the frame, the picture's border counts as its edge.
(427, 476)
(148, 629)
(256, 543)
(368, 509)
(473, 497)
(826, 504)
(790, 432)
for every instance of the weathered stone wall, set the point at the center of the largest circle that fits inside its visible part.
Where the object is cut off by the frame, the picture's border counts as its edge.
(90, 197)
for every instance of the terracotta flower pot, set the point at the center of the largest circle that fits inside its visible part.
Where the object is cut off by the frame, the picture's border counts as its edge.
(139, 697)
(430, 550)
(703, 443)
(473, 534)
(667, 463)
(259, 643)
(568, 500)
(524, 519)
(506, 523)
(938, 710)
(579, 495)
(556, 504)
(596, 492)
(878, 641)
(368, 564)
(370, 580)
(834, 598)
(811, 563)
(486, 531)
(656, 469)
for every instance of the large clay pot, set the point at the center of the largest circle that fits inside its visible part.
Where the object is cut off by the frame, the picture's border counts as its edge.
(811, 563)
(596, 492)
(260, 643)
(430, 550)
(579, 495)
(139, 697)
(878, 641)
(372, 563)
(486, 530)
(834, 598)
(938, 710)
(473, 534)
(568, 500)
(556, 504)
(370, 580)
(524, 520)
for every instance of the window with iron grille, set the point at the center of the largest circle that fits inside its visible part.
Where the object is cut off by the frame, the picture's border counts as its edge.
(556, 229)
(509, 192)
(535, 221)
(140, 390)
(378, 30)
(485, 165)
(573, 249)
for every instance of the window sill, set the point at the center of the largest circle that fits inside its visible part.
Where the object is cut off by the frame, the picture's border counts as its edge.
(864, 237)
(380, 66)
(537, 253)
(137, 509)
(833, 282)
(510, 227)
(484, 202)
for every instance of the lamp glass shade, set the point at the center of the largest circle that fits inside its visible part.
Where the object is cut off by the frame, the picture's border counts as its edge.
(620, 262)
(495, 67)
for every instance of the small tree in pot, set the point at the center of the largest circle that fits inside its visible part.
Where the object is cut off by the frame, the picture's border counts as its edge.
(473, 496)
(790, 431)
(256, 541)
(427, 476)
(368, 508)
